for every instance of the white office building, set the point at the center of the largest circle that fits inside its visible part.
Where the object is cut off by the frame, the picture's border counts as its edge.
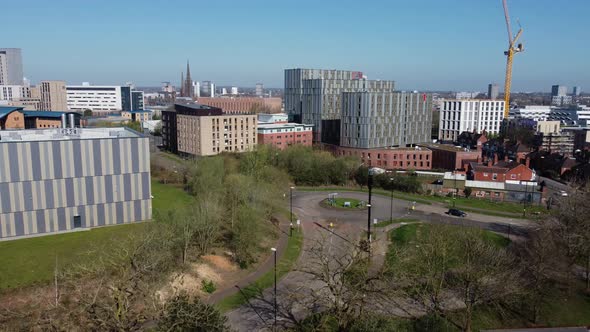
(457, 116)
(99, 99)
(12, 92)
(234, 90)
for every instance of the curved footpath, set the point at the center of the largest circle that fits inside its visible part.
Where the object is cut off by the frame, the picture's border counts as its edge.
(259, 314)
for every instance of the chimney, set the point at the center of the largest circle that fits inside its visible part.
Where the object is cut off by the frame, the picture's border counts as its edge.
(527, 162)
(72, 125)
(489, 163)
(63, 120)
(495, 158)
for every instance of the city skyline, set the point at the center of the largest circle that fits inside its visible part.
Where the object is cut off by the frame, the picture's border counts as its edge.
(424, 45)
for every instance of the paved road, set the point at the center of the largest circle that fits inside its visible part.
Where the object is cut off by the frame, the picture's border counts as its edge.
(258, 315)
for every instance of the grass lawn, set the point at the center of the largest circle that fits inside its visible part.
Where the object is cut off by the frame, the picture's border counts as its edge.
(32, 261)
(284, 265)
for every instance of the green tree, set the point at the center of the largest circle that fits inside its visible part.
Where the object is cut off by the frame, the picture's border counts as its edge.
(183, 313)
(467, 191)
(87, 113)
(361, 176)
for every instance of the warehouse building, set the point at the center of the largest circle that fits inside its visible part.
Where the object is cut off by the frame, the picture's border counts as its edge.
(63, 179)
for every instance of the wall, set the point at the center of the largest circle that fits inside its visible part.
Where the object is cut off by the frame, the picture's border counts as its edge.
(391, 158)
(44, 184)
(284, 139)
(14, 120)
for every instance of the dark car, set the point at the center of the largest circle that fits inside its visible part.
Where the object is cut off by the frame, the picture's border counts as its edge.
(456, 212)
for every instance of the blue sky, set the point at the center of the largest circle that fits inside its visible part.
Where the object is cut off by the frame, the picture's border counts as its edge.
(421, 44)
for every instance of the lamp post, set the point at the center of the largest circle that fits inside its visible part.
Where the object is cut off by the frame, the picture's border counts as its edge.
(291, 199)
(370, 185)
(275, 268)
(455, 185)
(391, 202)
(524, 200)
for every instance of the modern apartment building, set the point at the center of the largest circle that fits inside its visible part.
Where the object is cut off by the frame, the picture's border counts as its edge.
(283, 135)
(457, 116)
(559, 96)
(385, 119)
(202, 130)
(103, 99)
(259, 90)
(11, 66)
(137, 116)
(314, 96)
(416, 158)
(63, 179)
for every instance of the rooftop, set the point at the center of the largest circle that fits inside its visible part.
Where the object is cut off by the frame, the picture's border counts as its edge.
(62, 134)
(138, 111)
(46, 114)
(271, 125)
(445, 147)
(5, 110)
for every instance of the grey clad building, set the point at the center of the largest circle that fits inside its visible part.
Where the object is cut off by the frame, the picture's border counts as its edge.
(314, 96)
(61, 179)
(11, 66)
(493, 91)
(385, 119)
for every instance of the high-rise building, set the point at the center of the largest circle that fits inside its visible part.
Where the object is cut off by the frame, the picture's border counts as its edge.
(457, 116)
(259, 89)
(212, 90)
(466, 95)
(577, 91)
(11, 66)
(493, 91)
(63, 179)
(206, 89)
(223, 91)
(53, 96)
(196, 89)
(136, 100)
(558, 90)
(314, 96)
(234, 90)
(372, 120)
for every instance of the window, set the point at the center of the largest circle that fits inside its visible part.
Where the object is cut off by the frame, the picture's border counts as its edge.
(494, 176)
(77, 222)
(485, 174)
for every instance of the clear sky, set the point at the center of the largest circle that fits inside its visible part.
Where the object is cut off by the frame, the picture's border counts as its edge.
(421, 44)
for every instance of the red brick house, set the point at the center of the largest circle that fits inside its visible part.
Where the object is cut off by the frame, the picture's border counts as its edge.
(502, 180)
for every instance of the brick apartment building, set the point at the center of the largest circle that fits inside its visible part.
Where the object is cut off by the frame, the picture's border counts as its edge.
(450, 157)
(234, 105)
(418, 158)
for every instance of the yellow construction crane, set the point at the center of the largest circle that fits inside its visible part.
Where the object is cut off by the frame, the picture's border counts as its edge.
(512, 49)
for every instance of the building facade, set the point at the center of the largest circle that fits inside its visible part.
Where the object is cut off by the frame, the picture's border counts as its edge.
(493, 91)
(59, 180)
(259, 90)
(451, 158)
(52, 95)
(457, 116)
(137, 116)
(417, 158)
(11, 66)
(243, 104)
(14, 92)
(202, 130)
(282, 135)
(11, 118)
(136, 100)
(385, 119)
(102, 99)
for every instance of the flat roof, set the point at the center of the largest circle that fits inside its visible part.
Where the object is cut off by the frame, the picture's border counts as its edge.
(445, 147)
(62, 134)
(46, 114)
(272, 125)
(5, 110)
(139, 111)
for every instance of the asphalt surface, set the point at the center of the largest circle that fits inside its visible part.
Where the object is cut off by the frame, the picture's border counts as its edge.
(258, 314)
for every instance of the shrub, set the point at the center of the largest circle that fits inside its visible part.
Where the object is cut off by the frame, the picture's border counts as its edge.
(208, 286)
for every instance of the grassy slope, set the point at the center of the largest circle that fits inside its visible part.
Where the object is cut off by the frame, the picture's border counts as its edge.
(562, 309)
(30, 261)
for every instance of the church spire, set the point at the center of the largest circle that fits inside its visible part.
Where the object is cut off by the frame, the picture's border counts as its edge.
(188, 72)
(188, 82)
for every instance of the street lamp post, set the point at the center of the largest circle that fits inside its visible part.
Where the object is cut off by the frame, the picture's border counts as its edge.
(291, 199)
(370, 185)
(275, 299)
(455, 184)
(391, 202)
(524, 200)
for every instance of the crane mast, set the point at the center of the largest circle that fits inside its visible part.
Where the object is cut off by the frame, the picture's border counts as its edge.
(513, 48)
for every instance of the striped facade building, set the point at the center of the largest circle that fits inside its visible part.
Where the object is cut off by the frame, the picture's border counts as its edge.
(57, 180)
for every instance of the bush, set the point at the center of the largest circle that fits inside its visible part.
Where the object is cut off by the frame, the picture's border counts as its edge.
(467, 191)
(208, 286)
(185, 314)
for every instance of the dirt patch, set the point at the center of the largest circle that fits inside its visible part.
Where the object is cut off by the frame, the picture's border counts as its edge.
(190, 281)
(220, 262)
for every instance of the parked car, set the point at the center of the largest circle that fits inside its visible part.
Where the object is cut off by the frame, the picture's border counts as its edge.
(456, 212)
